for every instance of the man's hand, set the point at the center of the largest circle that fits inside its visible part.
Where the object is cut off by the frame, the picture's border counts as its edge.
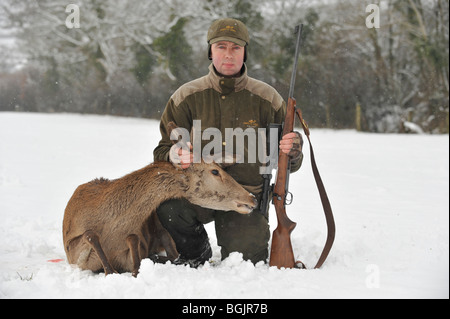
(291, 144)
(180, 157)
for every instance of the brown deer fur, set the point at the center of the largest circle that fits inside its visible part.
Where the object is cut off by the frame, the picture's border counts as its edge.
(112, 225)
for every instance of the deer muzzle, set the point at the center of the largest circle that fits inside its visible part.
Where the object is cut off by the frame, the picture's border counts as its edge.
(246, 206)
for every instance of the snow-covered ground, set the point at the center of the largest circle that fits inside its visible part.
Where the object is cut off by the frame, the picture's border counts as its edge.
(389, 193)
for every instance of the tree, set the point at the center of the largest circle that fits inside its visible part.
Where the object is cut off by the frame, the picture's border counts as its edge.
(176, 51)
(127, 57)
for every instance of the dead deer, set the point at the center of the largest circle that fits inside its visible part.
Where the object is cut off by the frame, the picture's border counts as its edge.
(111, 225)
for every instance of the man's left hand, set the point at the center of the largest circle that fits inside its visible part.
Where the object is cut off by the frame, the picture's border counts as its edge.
(291, 144)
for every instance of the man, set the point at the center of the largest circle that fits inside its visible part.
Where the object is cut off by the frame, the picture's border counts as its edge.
(225, 98)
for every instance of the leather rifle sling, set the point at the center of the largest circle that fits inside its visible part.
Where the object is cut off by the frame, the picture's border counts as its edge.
(323, 196)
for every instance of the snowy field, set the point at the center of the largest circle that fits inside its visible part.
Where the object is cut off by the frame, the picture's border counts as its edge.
(389, 193)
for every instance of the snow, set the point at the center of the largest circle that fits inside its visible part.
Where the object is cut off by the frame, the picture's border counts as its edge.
(413, 127)
(389, 194)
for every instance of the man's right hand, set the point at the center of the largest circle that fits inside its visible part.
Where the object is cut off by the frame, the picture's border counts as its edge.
(181, 158)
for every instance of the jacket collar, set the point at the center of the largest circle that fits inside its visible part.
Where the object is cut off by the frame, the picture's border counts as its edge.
(226, 85)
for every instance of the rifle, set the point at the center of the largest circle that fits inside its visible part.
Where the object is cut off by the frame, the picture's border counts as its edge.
(282, 254)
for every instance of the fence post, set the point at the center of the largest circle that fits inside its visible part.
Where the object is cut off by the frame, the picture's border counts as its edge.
(358, 117)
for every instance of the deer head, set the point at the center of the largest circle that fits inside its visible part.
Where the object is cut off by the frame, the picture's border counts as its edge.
(211, 187)
(208, 185)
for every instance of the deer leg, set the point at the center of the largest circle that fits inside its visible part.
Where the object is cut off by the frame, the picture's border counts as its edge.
(92, 239)
(133, 245)
(165, 239)
(169, 245)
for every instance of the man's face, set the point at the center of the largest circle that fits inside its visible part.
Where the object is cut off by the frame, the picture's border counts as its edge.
(227, 57)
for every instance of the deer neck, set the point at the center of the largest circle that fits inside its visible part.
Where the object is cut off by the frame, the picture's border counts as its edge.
(159, 182)
(146, 190)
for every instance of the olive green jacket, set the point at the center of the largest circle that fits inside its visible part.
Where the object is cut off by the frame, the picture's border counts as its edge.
(222, 103)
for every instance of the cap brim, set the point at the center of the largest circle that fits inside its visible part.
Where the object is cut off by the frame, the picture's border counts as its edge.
(230, 39)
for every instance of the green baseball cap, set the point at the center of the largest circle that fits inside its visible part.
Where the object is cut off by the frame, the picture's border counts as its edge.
(228, 30)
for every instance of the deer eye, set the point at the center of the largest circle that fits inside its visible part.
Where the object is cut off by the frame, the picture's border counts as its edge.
(215, 172)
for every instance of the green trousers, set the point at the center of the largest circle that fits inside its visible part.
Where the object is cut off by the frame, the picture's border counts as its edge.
(247, 234)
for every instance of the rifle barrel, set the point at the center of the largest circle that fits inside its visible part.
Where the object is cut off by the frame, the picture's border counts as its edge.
(298, 30)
